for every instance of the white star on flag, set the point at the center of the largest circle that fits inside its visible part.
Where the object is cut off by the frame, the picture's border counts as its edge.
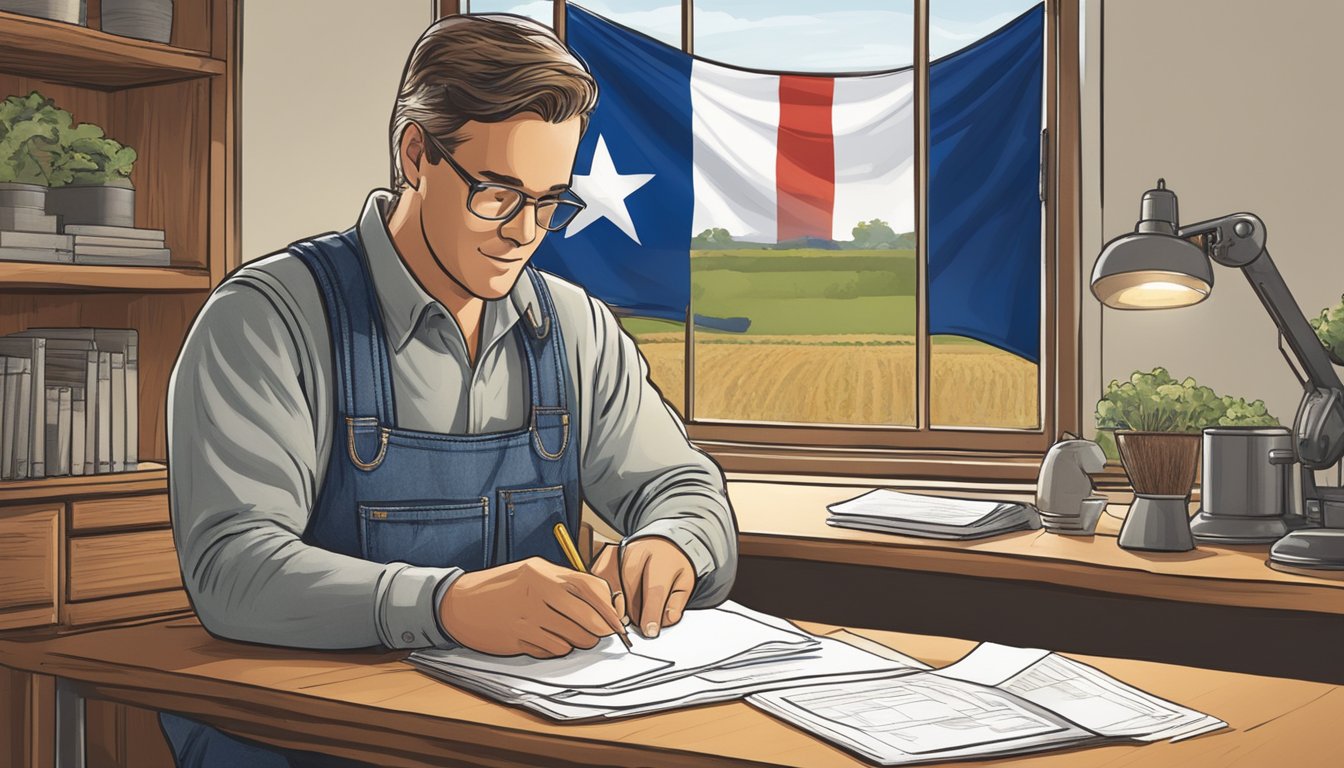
(605, 190)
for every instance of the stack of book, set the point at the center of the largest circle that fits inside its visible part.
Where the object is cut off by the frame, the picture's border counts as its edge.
(24, 236)
(937, 517)
(28, 234)
(94, 244)
(68, 402)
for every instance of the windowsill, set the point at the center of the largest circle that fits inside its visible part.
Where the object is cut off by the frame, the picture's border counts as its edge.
(785, 518)
(883, 465)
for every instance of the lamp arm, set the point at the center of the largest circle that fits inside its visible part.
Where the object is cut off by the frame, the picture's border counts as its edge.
(1238, 240)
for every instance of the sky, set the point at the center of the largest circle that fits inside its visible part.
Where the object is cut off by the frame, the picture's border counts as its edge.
(798, 36)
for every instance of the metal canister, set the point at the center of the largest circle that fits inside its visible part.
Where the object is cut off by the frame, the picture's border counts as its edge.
(1247, 492)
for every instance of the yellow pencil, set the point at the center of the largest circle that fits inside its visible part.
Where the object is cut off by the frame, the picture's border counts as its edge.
(572, 553)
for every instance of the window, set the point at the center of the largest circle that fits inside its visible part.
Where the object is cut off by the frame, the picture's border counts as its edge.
(907, 301)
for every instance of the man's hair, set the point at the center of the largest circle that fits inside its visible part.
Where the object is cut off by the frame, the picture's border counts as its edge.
(486, 68)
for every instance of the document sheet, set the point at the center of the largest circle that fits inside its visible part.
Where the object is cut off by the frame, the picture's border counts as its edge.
(710, 655)
(888, 511)
(998, 700)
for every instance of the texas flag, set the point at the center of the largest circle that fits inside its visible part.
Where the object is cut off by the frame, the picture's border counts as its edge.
(678, 145)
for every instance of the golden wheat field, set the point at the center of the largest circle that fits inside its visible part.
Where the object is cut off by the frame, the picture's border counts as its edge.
(846, 380)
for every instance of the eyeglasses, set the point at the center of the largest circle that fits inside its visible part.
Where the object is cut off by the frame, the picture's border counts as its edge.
(500, 202)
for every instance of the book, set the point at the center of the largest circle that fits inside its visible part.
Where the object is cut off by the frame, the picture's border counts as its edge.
(9, 409)
(997, 701)
(78, 457)
(23, 424)
(40, 240)
(27, 220)
(32, 403)
(105, 230)
(909, 514)
(102, 450)
(45, 255)
(58, 430)
(118, 381)
(126, 242)
(91, 341)
(107, 254)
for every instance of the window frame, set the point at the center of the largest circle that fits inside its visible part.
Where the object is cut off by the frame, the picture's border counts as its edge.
(924, 450)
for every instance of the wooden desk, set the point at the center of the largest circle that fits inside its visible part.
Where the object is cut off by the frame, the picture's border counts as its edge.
(1216, 606)
(372, 706)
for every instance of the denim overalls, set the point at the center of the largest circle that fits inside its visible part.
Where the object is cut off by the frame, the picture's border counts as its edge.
(424, 498)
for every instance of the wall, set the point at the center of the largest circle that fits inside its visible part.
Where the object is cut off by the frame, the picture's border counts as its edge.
(319, 80)
(1237, 104)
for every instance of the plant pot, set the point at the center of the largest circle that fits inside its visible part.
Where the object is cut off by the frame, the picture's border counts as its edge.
(104, 205)
(30, 196)
(141, 19)
(69, 11)
(1160, 463)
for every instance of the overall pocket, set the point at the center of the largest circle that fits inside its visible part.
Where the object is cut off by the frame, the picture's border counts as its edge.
(530, 516)
(437, 534)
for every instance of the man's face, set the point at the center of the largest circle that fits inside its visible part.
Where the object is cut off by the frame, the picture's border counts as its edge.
(525, 152)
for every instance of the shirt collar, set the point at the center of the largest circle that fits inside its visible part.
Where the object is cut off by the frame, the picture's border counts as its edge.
(404, 304)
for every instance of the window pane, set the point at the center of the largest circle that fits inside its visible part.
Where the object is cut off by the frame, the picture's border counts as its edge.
(985, 214)
(797, 36)
(802, 268)
(958, 24)
(659, 19)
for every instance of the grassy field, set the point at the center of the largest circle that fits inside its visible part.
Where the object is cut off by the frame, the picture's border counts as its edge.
(831, 341)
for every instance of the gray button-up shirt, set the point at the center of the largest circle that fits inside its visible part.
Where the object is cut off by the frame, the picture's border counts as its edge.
(250, 429)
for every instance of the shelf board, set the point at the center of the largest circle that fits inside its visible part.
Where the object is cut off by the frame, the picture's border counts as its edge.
(69, 53)
(90, 278)
(151, 476)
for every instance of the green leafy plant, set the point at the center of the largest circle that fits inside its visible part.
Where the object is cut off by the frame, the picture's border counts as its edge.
(85, 157)
(1329, 327)
(29, 134)
(1154, 401)
(40, 143)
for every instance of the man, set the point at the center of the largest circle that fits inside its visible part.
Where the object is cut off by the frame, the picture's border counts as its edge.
(373, 434)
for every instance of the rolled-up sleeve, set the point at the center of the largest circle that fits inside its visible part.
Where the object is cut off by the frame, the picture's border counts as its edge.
(640, 472)
(244, 405)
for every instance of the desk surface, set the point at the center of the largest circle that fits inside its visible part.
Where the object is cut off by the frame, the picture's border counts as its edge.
(788, 520)
(375, 707)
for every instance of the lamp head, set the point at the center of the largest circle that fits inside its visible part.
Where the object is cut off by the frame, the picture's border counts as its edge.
(1152, 268)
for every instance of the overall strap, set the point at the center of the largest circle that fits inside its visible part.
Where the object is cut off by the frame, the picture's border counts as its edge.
(545, 350)
(359, 346)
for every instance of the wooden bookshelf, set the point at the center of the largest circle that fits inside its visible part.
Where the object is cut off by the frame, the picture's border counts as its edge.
(176, 105)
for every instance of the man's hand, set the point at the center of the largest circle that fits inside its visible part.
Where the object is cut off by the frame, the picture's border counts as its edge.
(652, 582)
(532, 606)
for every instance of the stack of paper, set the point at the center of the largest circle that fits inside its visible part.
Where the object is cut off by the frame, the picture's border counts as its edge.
(938, 517)
(710, 655)
(997, 701)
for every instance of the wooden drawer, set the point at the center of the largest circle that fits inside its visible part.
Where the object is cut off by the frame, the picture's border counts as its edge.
(120, 512)
(122, 564)
(29, 564)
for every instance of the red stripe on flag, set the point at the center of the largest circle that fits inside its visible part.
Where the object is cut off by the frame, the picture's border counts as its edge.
(805, 161)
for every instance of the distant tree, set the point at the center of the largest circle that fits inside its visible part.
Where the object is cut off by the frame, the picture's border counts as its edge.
(712, 238)
(875, 233)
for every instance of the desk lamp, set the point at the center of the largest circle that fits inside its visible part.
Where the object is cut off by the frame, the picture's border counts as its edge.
(1158, 267)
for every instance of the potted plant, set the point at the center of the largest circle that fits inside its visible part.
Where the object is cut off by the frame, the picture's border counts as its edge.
(28, 134)
(91, 177)
(1154, 401)
(143, 19)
